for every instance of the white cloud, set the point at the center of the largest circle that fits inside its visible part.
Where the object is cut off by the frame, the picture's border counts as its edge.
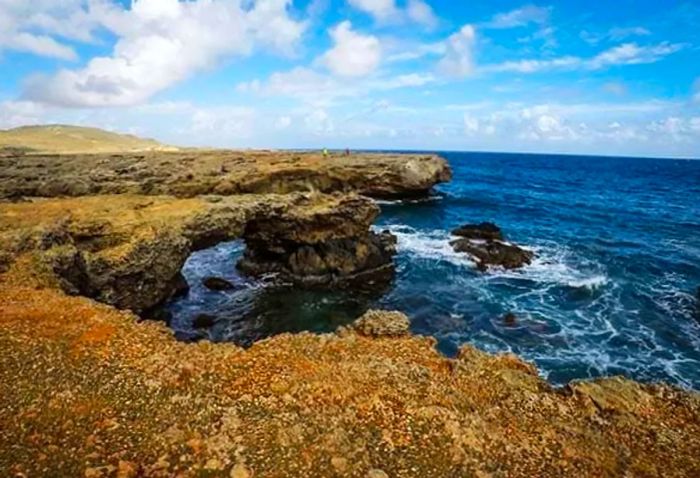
(614, 34)
(519, 17)
(30, 27)
(459, 55)
(319, 89)
(20, 113)
(422, 13)
(625, 54)
(409, 52)
(381, 10)
(387, 11)
(633, 54)
(162, 42)
(622, 33)
(352, 54)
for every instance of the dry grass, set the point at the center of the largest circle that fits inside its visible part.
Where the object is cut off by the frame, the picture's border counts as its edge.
(59, 139)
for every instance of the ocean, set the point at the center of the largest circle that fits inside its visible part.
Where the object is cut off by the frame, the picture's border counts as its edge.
(612, 290)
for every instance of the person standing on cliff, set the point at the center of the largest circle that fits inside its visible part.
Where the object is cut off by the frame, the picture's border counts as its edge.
(325, 152)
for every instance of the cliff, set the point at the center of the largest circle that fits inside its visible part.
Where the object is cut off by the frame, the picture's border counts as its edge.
(87, 388)
(193, 173)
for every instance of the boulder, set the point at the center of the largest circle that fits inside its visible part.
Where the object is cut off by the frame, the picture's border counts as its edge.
(380, 323)
(217, 284)
(486, 230)
(494, 253)
(486, 244)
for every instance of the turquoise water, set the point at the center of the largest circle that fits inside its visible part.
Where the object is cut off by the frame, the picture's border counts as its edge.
(612, 290)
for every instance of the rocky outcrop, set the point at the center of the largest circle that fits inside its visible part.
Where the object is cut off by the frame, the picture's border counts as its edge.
(380, 323)
(486, 245)
(128, 250)
(196, 173)
(320, 246)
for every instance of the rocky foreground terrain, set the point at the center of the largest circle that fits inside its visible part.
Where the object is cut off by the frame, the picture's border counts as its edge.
(88, 243)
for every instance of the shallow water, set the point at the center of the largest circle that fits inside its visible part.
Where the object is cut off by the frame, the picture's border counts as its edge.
(611, 291)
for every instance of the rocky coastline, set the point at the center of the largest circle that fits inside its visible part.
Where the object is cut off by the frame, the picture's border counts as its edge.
(89, 243)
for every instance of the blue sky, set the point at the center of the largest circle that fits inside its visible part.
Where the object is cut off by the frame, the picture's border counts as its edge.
(570, 77)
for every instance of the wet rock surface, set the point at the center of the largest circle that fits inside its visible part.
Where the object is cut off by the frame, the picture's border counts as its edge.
(486, 244)
(217, 284)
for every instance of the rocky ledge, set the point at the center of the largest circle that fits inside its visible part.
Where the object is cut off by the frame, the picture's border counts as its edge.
(196, 172)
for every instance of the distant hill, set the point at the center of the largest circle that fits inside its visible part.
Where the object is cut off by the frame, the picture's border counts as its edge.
(73, 139)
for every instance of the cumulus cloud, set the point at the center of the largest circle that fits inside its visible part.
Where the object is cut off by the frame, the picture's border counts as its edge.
(458, 60)
(422, 13)
(352, 54)
(387, 11)
(31, 27)
(162, 42)
(381, 10)
(519, 17)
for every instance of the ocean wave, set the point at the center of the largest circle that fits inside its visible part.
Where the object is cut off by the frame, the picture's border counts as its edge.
(433, 245)
(553, 264)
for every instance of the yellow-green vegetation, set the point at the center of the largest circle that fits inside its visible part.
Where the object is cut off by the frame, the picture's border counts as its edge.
(61, 139)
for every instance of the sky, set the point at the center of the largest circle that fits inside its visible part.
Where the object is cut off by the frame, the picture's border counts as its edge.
(578, 77)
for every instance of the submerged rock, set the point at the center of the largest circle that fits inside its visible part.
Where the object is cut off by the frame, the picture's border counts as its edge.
(486, 244)
(203, 321)
(217, 284)
(510, 319)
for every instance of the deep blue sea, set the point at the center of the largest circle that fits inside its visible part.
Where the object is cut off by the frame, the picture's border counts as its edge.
(612, 291)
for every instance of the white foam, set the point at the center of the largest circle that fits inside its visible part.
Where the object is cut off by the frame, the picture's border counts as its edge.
(553, 264)
(590, 283)
(433, 245)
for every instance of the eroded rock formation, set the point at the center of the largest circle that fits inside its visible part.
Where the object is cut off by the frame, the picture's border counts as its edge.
(128, 250)
(319, 248)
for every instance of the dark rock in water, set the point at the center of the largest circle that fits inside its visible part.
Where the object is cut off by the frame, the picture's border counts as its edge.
(510, 319)
(203, 321)
(158, 314)
(494, 253)
(485, 243)
(188, 337)
(486, 231)
(180, 286)
(217, 284)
